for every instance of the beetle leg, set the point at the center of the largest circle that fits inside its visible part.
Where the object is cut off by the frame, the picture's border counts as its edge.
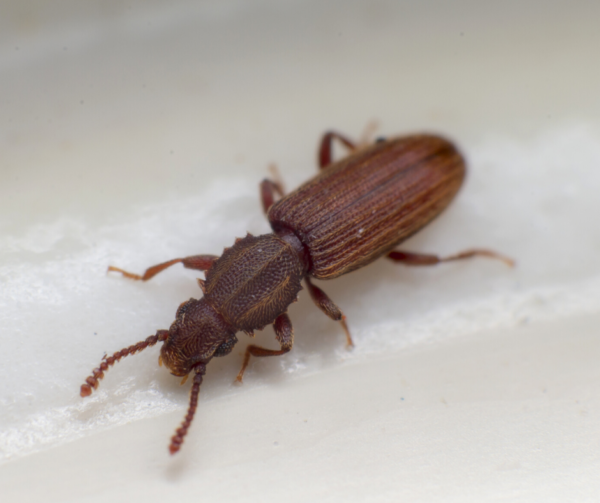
(368, 134)
(326, 145)
(284, 333)
(417, 259)
(268, 189)
(325, 148)
(197, 262)
(325, 304)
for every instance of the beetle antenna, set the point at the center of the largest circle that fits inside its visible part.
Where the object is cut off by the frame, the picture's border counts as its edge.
(98, 373)
(181, 432)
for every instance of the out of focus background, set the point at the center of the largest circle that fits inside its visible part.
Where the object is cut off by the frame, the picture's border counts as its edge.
(135, 132)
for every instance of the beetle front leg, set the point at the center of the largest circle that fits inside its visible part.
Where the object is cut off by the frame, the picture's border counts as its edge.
(284, 333)
(325, 304)
(197, 262)
(420, 259)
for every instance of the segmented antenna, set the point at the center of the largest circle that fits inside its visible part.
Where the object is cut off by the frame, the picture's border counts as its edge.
(98, 373)
(181, 432)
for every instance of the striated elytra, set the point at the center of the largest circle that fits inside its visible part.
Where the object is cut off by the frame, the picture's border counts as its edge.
(353, 212)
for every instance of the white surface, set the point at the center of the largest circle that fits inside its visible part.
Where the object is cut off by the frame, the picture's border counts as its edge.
(499, 417)
(135, 133)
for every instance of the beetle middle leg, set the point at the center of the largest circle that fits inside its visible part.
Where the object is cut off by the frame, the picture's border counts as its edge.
(326, 145)
(420, 259)
(325, 304)
(284, 333)
(197, 262)
(268, 190)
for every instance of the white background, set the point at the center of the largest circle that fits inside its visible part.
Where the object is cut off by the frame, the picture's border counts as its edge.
(135, 132)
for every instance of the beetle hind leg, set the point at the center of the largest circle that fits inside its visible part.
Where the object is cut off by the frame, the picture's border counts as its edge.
(421, 259)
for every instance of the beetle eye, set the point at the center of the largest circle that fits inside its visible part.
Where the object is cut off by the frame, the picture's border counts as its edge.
(381, 139)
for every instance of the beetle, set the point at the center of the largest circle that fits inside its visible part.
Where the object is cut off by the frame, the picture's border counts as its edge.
(354, 211)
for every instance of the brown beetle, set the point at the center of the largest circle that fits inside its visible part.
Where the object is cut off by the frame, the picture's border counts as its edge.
(353, 212)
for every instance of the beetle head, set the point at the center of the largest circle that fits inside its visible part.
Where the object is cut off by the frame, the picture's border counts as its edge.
(194, 337)
(197, 334)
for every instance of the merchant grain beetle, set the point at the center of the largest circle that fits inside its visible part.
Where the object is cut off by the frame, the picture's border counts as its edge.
(353, 212)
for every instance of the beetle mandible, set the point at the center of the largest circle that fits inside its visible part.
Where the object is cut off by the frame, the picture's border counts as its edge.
(353, 212)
